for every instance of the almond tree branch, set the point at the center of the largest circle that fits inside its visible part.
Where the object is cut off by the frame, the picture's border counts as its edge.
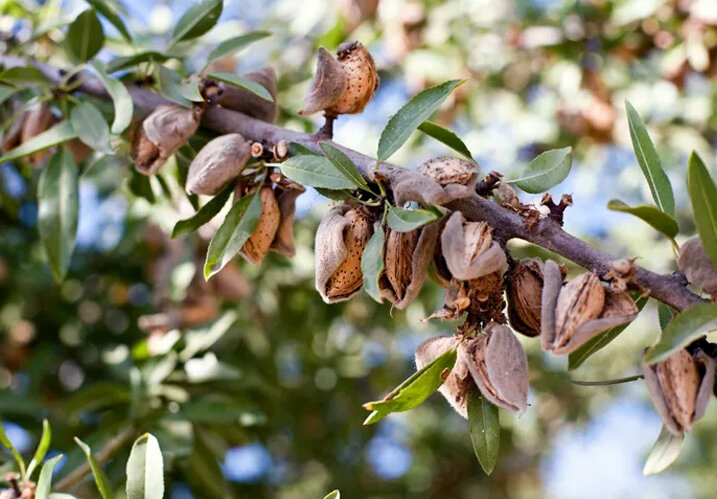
(669, 289)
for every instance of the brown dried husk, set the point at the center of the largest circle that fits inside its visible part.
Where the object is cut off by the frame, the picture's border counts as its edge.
(406, 259)
(449, 170)
(458, 384)
(257, 246)
(13, 137)
(361, 79)
(469, 249)
(286, 194)
(79, 150)
(481, 298)
(697, 266)
(247, 102)
(328, 85)
(524, 289)
(164, 131)
(37, 121)
(412, 185)
(580, 310)
(499, 367)
(340, 240)
(678, 390)
(218, 163)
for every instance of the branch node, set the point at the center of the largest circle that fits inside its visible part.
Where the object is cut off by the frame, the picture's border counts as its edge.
(556, 210)
(485, 187)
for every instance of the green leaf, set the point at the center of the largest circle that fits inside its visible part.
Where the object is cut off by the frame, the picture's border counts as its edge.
(62, 132)
(334, 494)
(405, 220)
(296, 149)
(412, 392)
(123, 105)
(235, 44)
(579, 356)
(663, 453)
(316, 171)
(372, 264)
(120, 63)
(344, 164)
(241, 82)
(85, 36)
(545, 171)
(411, 115)
(649, 162)
(703, 196)
(484, 429)
(197, 20)
(336, 195)
(41, 448)
(606, 382)
(664, 315)
(23, 74)
(44, 483)
(58, 199)
(145, 469)
(445, 136)
(109, 10)
(15, 454)
(6, 92)
(91, 127)
(99, 475)
(686, 327)
(174, 88)
(657, 219)
(231, 235)
(140, 186)
(204, 214)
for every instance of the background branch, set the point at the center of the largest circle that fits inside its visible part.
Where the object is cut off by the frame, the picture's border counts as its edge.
(669, 289)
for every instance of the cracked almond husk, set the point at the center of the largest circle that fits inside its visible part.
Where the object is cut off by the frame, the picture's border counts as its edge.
(437, 182)
(481, 299)
(258, 244)
(361, 79)
(499, 367)
(286, 193)
(697, 266)
(458, 384)
(247, 102)
(37, 121)
(576, 312)
(161, 133)
(328, 85)
(469, 249)
(524, 289)
(406, 259)
(680, 388)
(340, 240)
(218, 163)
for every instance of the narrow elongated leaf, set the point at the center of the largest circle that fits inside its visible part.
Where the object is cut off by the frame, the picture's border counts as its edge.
(703, 196)
(340, 195)
(197, 20)
(235, 44)
(44, 483)
(663, 453)
(85, 36)
(62, 132)
(411, 115)
(241, 82)
(545, 171)
(405, 220)
(123, 105)
(649, 162)
(445, 136)
(145, 469)
(372, 263)
(204, 214)
(412, 392)
(120, 63)
(22, 74)
(484, 429)
(296, 149)
(231, 235)
(173, 87)
(343, 164)
(6, 92)
(654, 217)
(58, 198)
(334, 494)
(98, 474)
(41, 448)
(686, 327)
(316, 171)
(109, 11)
(579, 356)
(664, 315)
(607, 382)
(91, 127)
(15, 454)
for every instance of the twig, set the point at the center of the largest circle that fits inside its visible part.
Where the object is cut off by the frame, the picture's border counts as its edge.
(106, 452)
(547, 233)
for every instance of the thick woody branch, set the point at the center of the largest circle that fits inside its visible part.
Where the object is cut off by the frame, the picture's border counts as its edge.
(669, 289)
